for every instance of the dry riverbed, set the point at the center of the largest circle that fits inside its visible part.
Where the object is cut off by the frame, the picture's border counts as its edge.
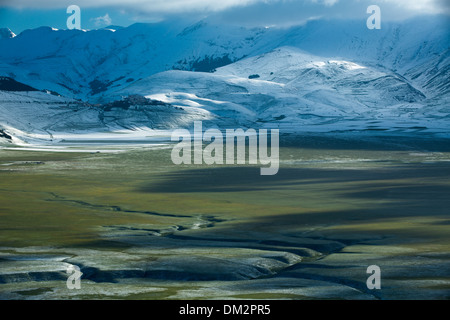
(140, 227)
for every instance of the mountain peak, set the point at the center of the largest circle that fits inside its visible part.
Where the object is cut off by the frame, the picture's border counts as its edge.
(6, 33)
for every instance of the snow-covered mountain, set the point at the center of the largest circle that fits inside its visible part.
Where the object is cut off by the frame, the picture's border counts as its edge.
(321, 76)
(35, 117)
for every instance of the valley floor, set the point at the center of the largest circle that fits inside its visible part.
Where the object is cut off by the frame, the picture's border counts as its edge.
(140, 227)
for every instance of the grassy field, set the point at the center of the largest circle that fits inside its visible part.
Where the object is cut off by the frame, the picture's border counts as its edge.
(140, 227)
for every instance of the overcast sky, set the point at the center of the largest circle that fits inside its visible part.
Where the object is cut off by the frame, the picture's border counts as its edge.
(24, 14)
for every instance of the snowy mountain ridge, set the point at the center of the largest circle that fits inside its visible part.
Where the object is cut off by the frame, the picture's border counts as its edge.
(322, 76)
(85, 65)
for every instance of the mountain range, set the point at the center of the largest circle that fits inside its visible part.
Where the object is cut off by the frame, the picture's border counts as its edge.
(322, 76)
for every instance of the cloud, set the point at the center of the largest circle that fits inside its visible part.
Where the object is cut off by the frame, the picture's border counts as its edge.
(171, 6)
(102, 21)
(247, 12)
(292, 12)
(168, 6)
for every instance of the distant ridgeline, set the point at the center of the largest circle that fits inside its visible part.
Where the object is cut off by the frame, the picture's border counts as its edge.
(9, 84)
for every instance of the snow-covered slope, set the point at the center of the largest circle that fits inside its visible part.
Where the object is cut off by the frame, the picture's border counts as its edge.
(295, 91)
(87, 65)
(40, 118)
(321, 76)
